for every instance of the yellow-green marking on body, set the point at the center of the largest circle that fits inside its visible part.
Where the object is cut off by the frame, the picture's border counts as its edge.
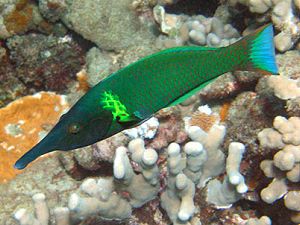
(112, 102)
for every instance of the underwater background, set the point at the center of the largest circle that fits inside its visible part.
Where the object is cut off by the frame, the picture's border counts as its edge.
(230, 154)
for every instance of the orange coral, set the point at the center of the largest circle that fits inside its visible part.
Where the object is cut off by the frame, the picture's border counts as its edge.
(203, 120)
(22, 123)
(224, 111)
(19, 19)
(82, 81)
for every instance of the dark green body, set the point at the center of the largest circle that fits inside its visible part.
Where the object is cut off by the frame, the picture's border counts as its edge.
(144, 87)
(148, 85)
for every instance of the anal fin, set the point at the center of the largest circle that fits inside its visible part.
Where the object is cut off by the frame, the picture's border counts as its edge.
(190, 93)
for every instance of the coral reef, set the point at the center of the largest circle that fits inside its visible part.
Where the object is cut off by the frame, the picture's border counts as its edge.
(169, 130)
(222, 195)
(177, 199)
(282, 13)
(52, 10)
(17, 17)
(197, 30)
(264, 220)
(218, 30)
(146, 130)
(98, 65)
(21, 127)
(137, 181)
(10, 87)
(211, 141)
(109, 24)
(203, 118)
(104, 199)
(42, 214)
(35, 62)
(96, 158)
(185, 170)
(285, 89)
(186, 165)
(101, 201)
(285, 166)
(45, 62)
(229, 85)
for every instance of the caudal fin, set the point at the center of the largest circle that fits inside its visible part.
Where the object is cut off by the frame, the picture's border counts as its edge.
(259, 47)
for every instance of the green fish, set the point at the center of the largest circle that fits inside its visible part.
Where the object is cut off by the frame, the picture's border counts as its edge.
(133, 94)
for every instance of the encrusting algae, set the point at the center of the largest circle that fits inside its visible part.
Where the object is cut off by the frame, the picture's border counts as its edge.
(20, 19)
(203, 120)
(21, 127)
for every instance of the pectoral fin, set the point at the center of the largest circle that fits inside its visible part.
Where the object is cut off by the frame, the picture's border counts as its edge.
(134, 119)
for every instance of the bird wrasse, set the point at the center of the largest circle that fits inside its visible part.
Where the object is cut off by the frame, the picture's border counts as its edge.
(134, 93)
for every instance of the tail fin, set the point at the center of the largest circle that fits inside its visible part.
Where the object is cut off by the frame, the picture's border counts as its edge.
(260, 50)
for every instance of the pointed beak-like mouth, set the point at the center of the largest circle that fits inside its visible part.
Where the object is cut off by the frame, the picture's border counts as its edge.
(31, 155)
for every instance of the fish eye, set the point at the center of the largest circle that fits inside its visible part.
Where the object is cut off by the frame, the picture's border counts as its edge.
(74, 128)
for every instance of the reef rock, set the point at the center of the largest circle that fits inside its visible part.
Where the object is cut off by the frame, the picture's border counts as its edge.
(108, 23)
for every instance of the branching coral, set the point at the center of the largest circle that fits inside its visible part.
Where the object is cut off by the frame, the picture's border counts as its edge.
(285, 166)
(42, 214)
(141, 178)
(177, 199)
(283, 14)
(101, 201)
(200, 160)
(286, 90)
(222, 195)
(105, 195)
(143, 187)
(284, 87)
(21, 127)
(198, 29)
(211, 142)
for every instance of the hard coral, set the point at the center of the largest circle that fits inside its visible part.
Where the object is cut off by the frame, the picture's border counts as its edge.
(285, 166)
(42, 215)
(198, 30)
(282, 90)
(283, 14)
(22, 126)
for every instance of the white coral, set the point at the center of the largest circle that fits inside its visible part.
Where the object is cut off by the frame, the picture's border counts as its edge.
(42, 215)
(285, 165)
